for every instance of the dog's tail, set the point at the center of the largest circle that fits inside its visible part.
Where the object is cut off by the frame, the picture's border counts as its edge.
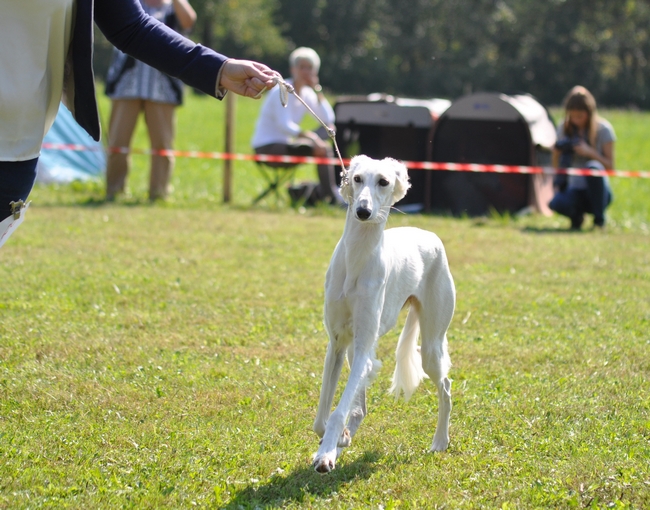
(408, 361)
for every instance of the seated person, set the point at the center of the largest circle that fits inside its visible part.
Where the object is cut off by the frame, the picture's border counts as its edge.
(585, 140)
(278, 130)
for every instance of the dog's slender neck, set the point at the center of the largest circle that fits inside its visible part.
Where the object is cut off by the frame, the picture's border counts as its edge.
(361, 240)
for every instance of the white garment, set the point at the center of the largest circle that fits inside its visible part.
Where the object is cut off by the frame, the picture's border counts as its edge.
(277, 124)
(34, 41)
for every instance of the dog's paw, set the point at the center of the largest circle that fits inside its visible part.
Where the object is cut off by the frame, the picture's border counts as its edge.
(324, 463)
(345, 440)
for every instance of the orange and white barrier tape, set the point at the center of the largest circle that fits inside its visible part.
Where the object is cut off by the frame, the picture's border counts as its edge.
(411, 165)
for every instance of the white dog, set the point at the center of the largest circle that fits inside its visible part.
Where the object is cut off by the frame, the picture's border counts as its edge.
(373, 274)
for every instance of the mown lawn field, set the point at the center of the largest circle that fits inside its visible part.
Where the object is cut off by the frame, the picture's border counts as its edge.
(169, 355)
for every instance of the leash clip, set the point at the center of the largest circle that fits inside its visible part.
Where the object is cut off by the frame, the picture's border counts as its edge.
(16, 208)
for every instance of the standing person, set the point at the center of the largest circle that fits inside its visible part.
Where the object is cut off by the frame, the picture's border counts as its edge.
(135, 87)
(585, 140)
(46, 56)
(278, 130)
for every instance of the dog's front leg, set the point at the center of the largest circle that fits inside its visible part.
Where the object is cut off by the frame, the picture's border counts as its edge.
(358, 411)
(366, 317)
(325, 458)
(331, 373)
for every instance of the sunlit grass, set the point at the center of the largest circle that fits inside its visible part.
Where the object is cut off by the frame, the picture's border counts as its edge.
(169, 355)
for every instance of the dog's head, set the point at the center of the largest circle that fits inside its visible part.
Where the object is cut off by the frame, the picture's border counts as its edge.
(372, 186)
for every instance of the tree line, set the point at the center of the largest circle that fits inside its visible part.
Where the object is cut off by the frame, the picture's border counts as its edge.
(446, 48)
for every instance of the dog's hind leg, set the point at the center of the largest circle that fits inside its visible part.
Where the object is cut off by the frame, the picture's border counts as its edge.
(443, 384)
(436, 362)
(331, 372)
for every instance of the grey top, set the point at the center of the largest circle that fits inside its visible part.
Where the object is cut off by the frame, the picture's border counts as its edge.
(604, 134)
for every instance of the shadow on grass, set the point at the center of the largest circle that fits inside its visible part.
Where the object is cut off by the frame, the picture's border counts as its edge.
(303, 485)
(127, 203)
(95, 202)
(553, 230)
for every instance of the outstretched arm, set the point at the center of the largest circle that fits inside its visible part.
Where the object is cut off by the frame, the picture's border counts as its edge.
(127, 27)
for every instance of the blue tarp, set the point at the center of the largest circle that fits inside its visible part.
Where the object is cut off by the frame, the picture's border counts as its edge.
(62, 166)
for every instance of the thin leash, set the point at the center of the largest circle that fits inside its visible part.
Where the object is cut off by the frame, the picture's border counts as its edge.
(285, 90)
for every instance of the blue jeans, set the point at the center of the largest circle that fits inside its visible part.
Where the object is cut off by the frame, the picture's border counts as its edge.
(575, 203)
(16, 182)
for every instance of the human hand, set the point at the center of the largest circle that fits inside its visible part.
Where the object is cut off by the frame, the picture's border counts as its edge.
(584, 149)
(313, 81)
(321, 147)
(247, 78)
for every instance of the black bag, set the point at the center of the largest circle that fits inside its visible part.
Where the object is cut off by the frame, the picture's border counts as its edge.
(304, 194)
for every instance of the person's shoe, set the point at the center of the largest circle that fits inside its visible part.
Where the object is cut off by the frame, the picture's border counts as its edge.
(576, 223)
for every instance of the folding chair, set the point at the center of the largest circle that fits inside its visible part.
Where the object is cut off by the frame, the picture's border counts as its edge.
(277, 174)
(275, 177)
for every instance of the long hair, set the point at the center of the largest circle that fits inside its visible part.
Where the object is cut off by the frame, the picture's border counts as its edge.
(579, 98)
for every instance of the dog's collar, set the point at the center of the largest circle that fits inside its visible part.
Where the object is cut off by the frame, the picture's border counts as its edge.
(345, 180)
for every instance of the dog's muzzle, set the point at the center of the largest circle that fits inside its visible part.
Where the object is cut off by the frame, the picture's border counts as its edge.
(363, 214)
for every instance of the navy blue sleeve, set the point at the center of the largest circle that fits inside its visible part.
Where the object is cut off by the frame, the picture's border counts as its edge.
(132, 31)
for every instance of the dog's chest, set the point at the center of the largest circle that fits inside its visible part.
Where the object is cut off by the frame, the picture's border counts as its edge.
(338, 314)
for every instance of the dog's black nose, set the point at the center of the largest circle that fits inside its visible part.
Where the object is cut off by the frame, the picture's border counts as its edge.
(363, 213)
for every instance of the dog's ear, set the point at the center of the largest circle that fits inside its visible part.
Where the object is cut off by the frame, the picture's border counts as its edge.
(402, 183)
(346, 177)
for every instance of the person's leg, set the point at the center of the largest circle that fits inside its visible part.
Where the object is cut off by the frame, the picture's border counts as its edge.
(597, 199)
(327, 180)
(569, 203)
(326, 174)
(326, 188)
(610, 195)
(161, 119)
(16, 182)
(598, 195)
(124, 116)
(275, 173)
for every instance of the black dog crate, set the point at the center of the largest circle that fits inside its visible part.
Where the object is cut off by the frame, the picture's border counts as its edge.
(381, 126)
(492, 128)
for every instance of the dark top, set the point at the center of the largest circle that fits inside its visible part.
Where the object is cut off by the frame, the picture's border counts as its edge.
(129, 29)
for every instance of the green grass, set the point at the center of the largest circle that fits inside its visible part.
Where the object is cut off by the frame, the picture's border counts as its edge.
(169, 355)
(196, 182)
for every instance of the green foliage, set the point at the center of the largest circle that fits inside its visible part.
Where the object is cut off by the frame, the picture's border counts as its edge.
(438, 48)
(445, 49)
(234, 27)
(169, 355)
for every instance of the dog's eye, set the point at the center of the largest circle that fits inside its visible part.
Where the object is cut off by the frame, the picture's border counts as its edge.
(357, 178)
(383, 182)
